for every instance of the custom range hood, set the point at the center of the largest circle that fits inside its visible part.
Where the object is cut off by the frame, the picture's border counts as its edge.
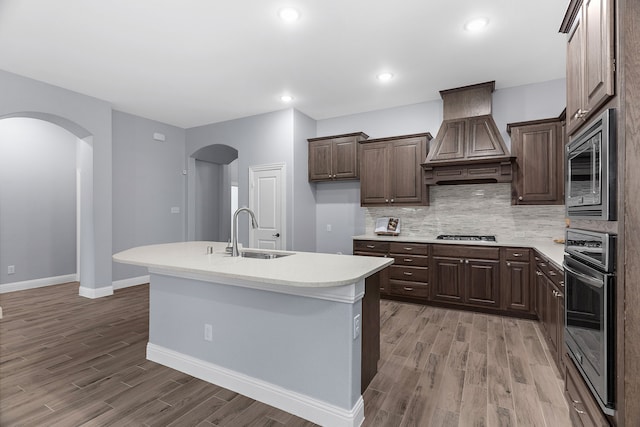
(468, 147)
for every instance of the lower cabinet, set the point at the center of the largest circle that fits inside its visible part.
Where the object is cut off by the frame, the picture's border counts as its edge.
(467, 275)
(516, 281)
(583, 409)
(550, 306)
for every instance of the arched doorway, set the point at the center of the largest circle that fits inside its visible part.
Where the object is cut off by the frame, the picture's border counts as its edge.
(84, 248)
(213, 177)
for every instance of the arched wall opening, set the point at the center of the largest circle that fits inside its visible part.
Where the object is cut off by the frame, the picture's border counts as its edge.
(36, 240)
(212, 192)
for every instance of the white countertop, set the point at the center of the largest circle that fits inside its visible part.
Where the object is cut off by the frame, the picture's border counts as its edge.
(301, 269)
(554, 252)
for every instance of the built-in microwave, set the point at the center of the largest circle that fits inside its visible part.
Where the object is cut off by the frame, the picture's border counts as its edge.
(591, 170)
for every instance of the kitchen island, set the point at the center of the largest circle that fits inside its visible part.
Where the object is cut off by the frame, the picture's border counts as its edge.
(288, 331)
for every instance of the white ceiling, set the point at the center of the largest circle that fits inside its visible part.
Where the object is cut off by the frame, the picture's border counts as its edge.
(194, 62)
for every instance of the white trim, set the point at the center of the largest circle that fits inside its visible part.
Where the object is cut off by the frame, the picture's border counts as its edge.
(296, 403)
(37, 283)
(346, 293)
(132, 281)
(94, 293)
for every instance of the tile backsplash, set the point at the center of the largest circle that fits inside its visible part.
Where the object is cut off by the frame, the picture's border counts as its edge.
(474, 209)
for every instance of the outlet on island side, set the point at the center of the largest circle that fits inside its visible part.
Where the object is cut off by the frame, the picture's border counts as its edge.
(208, 332)
(11, 269)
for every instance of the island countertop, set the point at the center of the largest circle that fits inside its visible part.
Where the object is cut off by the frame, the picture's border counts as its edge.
(300, 269)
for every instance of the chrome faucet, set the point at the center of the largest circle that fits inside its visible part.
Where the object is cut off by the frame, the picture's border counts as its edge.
(234, 231)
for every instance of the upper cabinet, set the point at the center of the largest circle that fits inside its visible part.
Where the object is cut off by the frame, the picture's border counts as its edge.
(334, 157)
(539, 168)
(590, 58)
(390, 171)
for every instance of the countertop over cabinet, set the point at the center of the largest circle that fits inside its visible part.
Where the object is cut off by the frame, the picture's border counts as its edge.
(300, 269)
(553, 251)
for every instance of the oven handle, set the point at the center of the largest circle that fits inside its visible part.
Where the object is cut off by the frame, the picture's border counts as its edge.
(593, 281)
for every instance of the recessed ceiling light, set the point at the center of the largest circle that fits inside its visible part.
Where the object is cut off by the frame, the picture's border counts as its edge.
(289, 14)
(384, 77)
(286, 98)
(476, 24)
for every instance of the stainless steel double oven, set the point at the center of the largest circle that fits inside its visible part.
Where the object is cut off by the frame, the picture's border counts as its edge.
(589, 269)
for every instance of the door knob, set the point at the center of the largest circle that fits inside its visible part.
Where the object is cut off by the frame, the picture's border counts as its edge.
(276, 235)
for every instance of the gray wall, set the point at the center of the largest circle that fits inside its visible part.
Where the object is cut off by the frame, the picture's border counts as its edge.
(303, 200)
(209, 182)
(27, 97)
(37, 200)
(147, 183)
(261, 139)
(337, 204)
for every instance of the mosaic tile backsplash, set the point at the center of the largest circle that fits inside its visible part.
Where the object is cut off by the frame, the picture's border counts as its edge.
(474, 209)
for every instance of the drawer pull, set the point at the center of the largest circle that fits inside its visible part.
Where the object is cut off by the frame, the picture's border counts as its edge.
(517, 255)
(538, 273)
(562, 283)
(578, 410)
(407, 288)
(575, 401)
(371, 246)
(407, 273)
(543, 264)
(408, 249)
(552, 273)
(408, 260)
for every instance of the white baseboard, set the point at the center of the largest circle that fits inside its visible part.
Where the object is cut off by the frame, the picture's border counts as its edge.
(133, 281)
(94, 293)
(298, 404)
(37, 283)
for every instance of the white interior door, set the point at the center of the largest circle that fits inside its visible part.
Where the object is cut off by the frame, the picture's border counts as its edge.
(266, 200)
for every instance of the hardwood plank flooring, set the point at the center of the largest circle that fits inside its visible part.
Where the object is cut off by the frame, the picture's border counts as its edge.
(71, 361)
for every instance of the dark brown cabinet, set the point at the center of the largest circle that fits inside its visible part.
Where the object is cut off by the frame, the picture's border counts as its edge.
(539, 169)
(390, 171)
(516, 280)
(590, 59)
(467, 275)
(375, 248)
(409, 275)
(550, 305)
(334, 157)
(583, 409)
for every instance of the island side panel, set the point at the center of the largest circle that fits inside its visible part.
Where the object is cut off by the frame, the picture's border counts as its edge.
(370, 330)
(301, 344)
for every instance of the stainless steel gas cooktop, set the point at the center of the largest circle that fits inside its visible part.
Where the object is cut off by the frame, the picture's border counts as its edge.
(466, 237)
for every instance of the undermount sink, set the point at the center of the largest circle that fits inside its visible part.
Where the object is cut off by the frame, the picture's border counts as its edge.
(262, 255)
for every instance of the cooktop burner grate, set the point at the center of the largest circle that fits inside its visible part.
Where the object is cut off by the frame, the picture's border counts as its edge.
(466, 237)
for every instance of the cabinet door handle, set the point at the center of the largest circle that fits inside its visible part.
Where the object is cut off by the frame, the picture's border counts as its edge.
(562, 283)
(276, 235)
(407, 288)
(466, 261)
(520, 198)
(407, 273)
(538, 273)
(386, 200)
(408, 260)
(508, 264)
(461, 261)
(391, 200)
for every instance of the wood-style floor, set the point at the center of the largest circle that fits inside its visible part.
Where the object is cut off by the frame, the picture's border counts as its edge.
(70, 361)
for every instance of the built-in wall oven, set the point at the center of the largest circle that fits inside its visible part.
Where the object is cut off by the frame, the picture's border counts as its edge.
(591, 170)
(589, 270)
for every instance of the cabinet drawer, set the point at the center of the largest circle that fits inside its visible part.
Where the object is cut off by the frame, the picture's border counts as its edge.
(458, 251)
(370, 246)
(517, 254)
(409, 248)
(583, 409)
(408, 289)
(412, 274)
(411, 260)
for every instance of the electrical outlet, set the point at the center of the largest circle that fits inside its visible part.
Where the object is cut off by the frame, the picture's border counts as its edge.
(11, 269)
(328, 227)
(356, 326)
(208, 332)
